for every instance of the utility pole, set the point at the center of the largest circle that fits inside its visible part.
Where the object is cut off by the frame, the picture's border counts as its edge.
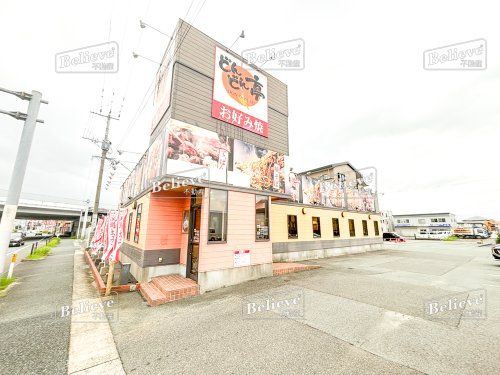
(84, 226)
(17, 178)
(105, 146)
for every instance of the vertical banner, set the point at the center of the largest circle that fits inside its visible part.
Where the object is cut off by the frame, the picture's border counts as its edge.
(119, 222)
(110, 233)
(239, 94)
(95, 243)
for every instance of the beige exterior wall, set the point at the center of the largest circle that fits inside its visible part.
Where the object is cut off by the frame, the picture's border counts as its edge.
(240, 235)
(279, 224)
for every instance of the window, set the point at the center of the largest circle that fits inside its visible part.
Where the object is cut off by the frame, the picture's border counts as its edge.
(341, 178)
(365, 227)
(138, 223)
(316, 227)
(261, 217)
(129, 225)
(217, 219)
(375, 226)
(336, 227)
(438, 220)
(352, 230)
(292, 226)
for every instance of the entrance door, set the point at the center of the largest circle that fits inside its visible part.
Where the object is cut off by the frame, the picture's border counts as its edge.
(194, 239)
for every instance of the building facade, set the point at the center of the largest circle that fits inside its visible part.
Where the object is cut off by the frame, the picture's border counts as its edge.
(213, 198)
(425, 226)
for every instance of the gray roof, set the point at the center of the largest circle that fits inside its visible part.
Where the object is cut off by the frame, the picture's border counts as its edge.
(476, 218)
(431, 214)
(329, 166)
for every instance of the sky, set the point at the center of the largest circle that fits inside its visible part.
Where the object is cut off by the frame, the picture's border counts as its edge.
(362, 97)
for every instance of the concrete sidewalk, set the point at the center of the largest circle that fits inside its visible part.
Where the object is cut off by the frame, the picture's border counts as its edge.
(33, 340)
(92, 349)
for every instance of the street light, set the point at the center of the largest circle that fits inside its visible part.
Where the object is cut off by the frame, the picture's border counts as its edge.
(242, 36)
(136, 55)
(143, 25)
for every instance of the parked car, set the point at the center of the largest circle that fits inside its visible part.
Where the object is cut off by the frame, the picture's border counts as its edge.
(495, 252)
(392, 237)
(16, 239)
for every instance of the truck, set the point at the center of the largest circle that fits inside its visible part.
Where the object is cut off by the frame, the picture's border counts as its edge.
(469, 231)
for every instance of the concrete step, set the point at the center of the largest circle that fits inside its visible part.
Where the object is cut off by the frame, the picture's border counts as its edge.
(152, 294)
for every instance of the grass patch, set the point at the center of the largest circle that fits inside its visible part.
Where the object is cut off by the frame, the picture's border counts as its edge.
(40, 253)
(5, 282)
(54, 242)
(450, 238)
(43, 251)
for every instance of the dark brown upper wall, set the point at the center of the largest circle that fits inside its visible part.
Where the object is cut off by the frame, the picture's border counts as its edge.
(192, 92)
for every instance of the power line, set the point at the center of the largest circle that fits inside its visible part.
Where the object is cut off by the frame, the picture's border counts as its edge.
(148, 93)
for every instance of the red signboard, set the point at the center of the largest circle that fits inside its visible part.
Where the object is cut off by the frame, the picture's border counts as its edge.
(233, 116)
(239, 94)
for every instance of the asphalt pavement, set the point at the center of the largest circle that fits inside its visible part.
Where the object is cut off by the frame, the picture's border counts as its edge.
(359, 314)
(32, 339)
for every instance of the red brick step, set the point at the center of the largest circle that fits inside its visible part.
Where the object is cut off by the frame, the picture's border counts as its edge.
(170, 288)
(284, 268)
(152, 294)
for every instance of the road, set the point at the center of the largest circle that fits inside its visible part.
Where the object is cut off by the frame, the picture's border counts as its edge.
(362, 314)
(34, 340)
(22, 251)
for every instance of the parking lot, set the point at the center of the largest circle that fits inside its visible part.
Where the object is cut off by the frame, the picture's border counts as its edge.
(365, 313)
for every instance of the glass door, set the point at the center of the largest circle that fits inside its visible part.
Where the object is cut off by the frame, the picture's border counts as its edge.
(194, 238)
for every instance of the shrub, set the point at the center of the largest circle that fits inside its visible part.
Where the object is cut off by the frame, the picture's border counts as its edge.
(498, 238)
(451, 238)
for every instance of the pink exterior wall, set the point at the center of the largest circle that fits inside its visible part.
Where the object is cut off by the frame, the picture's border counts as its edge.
(240, 235)
(164, 222)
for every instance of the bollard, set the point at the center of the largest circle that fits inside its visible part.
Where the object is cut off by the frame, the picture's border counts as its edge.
(32, 248)
(11, 267)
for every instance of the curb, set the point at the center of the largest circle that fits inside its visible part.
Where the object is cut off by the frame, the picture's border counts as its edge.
(3, 292)
(101, 287)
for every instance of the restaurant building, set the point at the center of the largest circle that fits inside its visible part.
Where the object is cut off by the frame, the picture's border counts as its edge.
(213, 199)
